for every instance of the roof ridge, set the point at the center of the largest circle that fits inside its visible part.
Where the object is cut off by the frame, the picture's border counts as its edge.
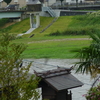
(53, 73)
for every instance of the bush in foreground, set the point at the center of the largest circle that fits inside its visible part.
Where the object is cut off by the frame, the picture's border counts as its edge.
(93, 93)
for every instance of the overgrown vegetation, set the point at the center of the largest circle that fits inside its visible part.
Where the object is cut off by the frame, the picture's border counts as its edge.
(17, 28)
(3, 21)
(94, 93)
(81, 25)
(73, 31)
(15, 81)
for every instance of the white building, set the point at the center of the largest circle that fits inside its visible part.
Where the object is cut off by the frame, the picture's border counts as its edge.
(23, 3)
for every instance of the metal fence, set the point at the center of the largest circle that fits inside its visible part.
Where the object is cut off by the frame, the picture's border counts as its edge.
(80, 4)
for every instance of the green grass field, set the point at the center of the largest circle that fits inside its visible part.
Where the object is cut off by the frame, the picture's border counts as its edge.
(54, 49)
(41, 45)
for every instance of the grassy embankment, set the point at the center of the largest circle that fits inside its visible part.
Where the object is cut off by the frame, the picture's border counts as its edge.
(43, 48)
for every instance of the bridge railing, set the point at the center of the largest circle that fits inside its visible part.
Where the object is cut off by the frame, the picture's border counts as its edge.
(49, 10)
(71, 4)
(19, 9)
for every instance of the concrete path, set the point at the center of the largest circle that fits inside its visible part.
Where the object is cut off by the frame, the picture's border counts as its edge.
(28, 32)
(48, 64)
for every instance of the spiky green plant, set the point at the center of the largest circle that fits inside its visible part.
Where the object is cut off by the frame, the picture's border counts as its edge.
(90, 57)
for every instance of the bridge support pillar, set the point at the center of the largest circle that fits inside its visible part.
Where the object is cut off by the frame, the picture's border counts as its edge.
(34, 20)
(37, 20)
(31, 20)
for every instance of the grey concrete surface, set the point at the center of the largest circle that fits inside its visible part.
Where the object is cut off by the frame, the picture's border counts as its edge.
(48, 64)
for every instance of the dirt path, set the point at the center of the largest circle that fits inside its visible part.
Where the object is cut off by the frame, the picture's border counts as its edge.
(8, 24)
(59, 40)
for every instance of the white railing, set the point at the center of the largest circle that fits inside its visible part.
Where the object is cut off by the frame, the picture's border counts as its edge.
(49, 10)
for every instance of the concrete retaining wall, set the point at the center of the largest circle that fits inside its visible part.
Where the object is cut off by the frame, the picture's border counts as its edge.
(72, 13)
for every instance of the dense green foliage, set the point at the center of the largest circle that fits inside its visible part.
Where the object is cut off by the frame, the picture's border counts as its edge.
(81, 25)
(17, 28)
(15, 81)
(90, 57)
(3, 21)
(93, 94)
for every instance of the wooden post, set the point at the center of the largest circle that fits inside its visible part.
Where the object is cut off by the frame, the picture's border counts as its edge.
(70, 95)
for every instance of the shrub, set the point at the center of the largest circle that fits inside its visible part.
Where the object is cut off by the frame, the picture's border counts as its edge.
(94, 93)
(74, 31)
(57, 33)
(3, 21)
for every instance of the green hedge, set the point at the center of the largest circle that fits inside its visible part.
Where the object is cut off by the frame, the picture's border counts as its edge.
(73, 31)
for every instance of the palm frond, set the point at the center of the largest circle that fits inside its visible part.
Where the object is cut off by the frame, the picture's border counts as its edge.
(90, 57)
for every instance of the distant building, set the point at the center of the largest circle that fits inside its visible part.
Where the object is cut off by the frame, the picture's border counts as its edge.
(21, 3)
(2, 4)
(72, 1)
(34, 5)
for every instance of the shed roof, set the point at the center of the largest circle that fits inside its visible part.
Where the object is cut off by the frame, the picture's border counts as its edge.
(60, 79)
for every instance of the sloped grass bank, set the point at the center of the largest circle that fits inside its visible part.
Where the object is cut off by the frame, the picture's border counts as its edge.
(18, 27)
(60, 25)
(81, 25)
(56, 49)
(3, 22)
(65, 25)
(44, 22)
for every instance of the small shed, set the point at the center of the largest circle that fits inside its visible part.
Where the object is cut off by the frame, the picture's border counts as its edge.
(55, 83)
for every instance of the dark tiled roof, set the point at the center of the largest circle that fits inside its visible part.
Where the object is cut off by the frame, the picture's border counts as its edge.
(60, 79)
(55, 72)
(63, 82)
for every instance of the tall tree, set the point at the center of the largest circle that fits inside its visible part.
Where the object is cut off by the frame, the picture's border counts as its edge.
(7, 1)
(15, 82)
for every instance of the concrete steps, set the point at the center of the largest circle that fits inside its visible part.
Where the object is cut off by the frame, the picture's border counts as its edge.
(49, 25)
(30, 30)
